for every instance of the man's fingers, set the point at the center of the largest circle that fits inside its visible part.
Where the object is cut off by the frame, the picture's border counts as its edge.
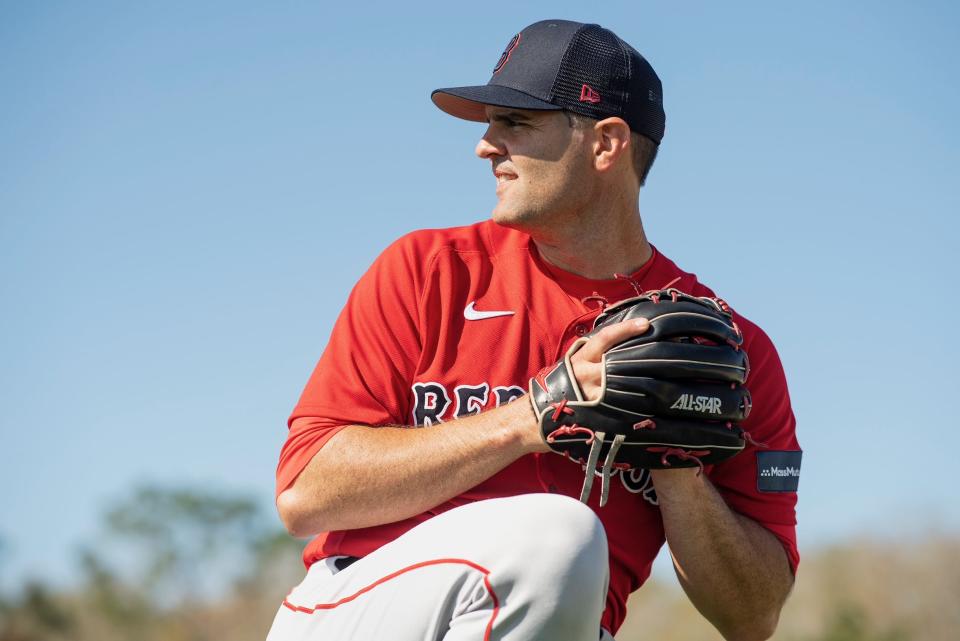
(612, 335)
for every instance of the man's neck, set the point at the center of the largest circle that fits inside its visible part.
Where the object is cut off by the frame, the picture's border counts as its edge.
(597, 251)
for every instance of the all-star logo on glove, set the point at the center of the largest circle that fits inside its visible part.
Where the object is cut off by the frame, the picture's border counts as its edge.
(672, 397)
(709, 404)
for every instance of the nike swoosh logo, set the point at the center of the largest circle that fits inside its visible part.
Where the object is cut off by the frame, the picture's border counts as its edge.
(471, 314)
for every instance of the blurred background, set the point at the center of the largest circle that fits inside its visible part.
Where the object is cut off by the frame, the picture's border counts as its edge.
(188, 191)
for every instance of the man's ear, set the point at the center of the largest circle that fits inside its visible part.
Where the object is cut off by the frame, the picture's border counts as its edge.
(612, 142)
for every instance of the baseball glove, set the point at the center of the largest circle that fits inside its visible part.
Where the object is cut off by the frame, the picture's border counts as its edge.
(671, 397)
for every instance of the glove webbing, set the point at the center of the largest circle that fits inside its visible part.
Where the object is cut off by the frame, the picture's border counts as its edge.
(594, 456)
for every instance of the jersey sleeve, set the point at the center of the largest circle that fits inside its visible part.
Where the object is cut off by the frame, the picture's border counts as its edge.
(364, 374)
(743, 480)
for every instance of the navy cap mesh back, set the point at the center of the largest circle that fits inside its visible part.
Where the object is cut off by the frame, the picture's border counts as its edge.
(645, 111)
(582, 68)
(621, 78)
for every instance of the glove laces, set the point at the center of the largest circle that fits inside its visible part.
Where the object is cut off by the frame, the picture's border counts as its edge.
(608, 466)
(596, 441)
(682, 454)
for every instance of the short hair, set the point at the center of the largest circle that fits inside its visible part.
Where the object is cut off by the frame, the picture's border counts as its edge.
(644, 149)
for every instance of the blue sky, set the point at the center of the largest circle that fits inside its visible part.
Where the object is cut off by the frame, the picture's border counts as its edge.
(188, 191)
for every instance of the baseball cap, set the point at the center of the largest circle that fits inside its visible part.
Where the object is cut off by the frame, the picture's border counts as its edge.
(559, 64)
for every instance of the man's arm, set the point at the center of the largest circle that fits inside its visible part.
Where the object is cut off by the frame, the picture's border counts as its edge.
(734, 570)
(365, 476)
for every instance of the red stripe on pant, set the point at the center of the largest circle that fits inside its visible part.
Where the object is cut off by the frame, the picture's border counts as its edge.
(415, 566)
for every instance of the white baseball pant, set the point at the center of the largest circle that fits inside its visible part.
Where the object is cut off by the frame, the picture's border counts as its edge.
(523, 568)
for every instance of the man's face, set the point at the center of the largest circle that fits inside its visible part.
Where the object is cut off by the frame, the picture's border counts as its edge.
(542, 166)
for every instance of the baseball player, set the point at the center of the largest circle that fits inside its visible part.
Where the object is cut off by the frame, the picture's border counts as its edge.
(426, 472)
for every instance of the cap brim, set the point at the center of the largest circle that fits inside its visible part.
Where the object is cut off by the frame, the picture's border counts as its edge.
(469, 102)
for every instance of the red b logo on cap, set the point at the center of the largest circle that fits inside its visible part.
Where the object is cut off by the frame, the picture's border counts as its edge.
(514, 41)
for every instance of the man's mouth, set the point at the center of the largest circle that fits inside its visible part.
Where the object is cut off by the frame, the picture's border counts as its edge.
(503, 177)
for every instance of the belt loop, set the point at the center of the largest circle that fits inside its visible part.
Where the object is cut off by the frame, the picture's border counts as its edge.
(343, 562)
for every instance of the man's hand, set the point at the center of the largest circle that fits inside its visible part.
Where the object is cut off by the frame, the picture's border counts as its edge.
(658, 383)
(588, 361)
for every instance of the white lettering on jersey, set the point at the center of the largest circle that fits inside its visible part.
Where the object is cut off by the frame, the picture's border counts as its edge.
(508, 394)
(433, 402)
(430, 401)
(781, 471)
(471, 399)
(638, 481)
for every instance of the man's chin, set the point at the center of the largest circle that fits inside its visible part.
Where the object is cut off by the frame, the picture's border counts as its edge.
(511, 218)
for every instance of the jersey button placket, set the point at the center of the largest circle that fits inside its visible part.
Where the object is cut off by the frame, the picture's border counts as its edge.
(577, 328)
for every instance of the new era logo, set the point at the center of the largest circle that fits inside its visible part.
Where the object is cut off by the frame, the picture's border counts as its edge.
(587, 94)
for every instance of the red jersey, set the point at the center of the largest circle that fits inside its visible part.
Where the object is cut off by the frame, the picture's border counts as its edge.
(418, 344)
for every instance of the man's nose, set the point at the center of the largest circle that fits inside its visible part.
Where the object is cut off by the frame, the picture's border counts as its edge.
(488, 147)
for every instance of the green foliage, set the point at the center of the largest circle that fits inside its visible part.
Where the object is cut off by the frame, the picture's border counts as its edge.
(120, 606)
(146, 577)
(169, 565)
(39, 614)
(185, 544)
(44, 609)
(849, 622)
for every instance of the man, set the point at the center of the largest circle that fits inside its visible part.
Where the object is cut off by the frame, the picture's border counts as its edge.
(464, 527)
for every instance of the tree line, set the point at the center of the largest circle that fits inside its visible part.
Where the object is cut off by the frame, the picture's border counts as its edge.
(181, 564)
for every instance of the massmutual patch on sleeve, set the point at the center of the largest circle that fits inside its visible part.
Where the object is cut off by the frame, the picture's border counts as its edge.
(778, 470)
